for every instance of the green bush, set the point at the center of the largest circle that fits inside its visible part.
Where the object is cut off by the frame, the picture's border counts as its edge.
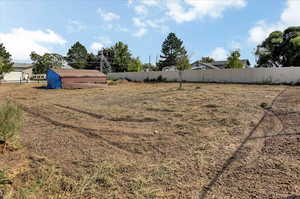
(10, 123)
(159, 79)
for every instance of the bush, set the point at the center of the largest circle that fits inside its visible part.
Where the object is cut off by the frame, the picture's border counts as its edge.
(10, 123)
(159, 79)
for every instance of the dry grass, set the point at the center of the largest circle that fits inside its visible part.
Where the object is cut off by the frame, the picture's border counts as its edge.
(129, 140)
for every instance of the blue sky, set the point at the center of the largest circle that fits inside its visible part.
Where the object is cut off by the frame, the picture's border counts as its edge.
(207, 27)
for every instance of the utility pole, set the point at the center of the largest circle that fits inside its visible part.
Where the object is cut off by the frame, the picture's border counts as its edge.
(101, 61)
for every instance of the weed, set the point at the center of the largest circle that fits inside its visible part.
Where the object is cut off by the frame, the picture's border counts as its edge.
(10, 123)
(4, 180)
(265, 106)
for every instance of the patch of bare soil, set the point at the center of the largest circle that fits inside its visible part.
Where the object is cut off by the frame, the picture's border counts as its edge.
(267, 165)
(154, 141)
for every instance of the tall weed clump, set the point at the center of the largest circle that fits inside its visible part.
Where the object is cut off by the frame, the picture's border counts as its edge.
(10, 124)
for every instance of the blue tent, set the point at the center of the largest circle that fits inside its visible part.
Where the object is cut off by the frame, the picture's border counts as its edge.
(53, 79)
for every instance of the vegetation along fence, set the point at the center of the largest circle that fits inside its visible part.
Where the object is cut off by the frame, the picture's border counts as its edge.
(286, 75)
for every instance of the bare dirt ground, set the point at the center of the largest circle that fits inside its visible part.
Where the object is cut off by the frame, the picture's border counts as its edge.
(137, 140)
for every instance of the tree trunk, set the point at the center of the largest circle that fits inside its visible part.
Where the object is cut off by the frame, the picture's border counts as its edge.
(180, 79)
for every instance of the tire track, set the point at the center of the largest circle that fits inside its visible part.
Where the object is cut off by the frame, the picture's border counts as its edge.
(84, 131)
(235, 156)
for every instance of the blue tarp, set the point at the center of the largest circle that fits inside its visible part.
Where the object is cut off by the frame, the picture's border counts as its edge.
(53, 79)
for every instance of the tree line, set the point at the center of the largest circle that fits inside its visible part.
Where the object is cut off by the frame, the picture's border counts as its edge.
(118, 56)
(279, 49)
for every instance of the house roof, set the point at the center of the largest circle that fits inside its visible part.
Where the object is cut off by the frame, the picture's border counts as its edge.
(208, 65)
(78, 73)
(224, 63)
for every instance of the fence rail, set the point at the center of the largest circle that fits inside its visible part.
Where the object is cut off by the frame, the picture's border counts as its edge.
(287, 75)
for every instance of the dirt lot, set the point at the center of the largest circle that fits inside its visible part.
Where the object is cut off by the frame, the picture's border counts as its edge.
(137, 140)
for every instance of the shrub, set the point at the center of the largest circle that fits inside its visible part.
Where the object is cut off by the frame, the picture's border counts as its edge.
(159, 79)
(10, 123)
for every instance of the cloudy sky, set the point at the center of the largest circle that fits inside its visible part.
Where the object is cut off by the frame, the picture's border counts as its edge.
(207, 27)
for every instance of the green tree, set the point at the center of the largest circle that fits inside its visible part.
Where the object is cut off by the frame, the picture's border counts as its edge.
(5, 60)
(172, 49)
(77, 56)
(41, 63)
(150, 67)
(183, 63)
(92, 62)
(267, 52)
(207, 60)
(280, 49)
(234, 60)
(136, 65)
(121, 57)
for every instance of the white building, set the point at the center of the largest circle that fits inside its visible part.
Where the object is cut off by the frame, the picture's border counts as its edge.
(20, 72)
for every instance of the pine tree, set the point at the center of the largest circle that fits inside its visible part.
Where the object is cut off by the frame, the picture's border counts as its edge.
(172, 49)
(5, 60)
(77, 56)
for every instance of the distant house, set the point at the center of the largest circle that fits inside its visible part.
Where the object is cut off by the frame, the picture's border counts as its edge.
(219, 64)
(204, 66)
(20, 72)
(169, 68)
(70, 78)
(223, 64)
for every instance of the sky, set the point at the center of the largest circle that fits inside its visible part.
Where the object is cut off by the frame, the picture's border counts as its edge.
(207, 27)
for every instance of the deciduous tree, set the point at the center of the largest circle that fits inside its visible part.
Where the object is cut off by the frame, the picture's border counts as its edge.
(234, 60)
(121, 57)
(280, 49)
(207, 60)
(183, 63)
(41, 63)
(5, 60)
(136, 65)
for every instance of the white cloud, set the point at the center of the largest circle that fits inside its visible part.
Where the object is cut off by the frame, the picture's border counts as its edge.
(96, 46)
(20, 42)
(115, 27)
(75, 26)
(234, 45)
(108, 16)
(138, 22)
(261, 31)
(141, 32)
(219, 53)
(146, 2)
(101, 42)
(105, 40)
(141, 10)
(189, 10)
(144, 24)
(289, 17)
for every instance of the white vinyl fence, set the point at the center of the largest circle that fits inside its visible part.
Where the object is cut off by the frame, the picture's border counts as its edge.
(287, 75)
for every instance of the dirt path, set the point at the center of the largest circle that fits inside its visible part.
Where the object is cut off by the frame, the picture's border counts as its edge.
(265, 164)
